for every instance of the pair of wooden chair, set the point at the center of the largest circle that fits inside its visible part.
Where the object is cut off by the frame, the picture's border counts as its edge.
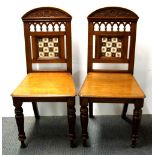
(111, 39)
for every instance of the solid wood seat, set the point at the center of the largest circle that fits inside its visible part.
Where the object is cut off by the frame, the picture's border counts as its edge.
(46, 84)
(116, 85)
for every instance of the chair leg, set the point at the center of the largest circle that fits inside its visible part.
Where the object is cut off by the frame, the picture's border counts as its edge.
(35, 109)
(136, 122)
(91, 109)
(84, 119)
(20, 121)
(71, 119)
(125, 108)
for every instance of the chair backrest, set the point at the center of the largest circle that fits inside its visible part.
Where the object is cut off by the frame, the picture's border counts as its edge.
(47, 37)
(111, 37)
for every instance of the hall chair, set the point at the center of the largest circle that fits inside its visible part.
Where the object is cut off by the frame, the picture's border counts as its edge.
(111, 40)
(47, 33)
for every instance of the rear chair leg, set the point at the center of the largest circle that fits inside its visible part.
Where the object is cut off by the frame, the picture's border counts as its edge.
(35, 109)
(91, 110)
(125, 108)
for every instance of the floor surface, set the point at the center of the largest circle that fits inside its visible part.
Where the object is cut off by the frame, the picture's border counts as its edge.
(108, 135)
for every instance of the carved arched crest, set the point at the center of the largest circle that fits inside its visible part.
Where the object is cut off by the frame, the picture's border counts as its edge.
(46, 13)
(112, 13)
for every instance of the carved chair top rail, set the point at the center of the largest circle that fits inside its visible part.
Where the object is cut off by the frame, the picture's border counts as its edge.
(46, 14)
(112, 14)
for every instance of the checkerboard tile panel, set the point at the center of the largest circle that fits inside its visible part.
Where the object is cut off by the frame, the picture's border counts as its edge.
(111, 47)
(48, 47)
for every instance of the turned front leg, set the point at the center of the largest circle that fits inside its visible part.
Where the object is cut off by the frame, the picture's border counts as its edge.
(84, 119)
(136, 122)
(20, 121)
(71, 119)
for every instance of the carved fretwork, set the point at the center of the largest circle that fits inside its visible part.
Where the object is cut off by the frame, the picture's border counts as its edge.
(47, 26)
(112, 26)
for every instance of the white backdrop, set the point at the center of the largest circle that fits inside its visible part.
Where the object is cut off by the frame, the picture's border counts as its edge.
(12, 51)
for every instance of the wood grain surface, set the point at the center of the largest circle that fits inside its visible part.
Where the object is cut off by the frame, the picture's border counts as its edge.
(45, 85)
(115, 85)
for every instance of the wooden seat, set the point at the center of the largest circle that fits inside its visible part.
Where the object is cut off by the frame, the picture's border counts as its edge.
(47, 32)
(111, 40)
(46, 84)
(109, 85)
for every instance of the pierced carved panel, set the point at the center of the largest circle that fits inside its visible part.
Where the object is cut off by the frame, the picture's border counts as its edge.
(48, 47)
(112, 26)
(47, 26)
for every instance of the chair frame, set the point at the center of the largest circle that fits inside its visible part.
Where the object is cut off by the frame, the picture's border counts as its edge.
(108, 15)
(45, 15)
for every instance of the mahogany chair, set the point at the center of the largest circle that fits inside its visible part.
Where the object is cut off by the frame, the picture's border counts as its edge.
(47, 42)
(111, 39)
